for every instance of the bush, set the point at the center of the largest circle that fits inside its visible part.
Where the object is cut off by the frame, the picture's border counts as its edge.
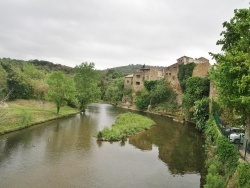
(142, 100)
(227, 154)
(212, 132)
(26, 118)
(243, 179)
(214, 180)
(201, 113)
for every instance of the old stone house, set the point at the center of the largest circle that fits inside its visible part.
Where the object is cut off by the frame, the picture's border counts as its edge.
(135, 81)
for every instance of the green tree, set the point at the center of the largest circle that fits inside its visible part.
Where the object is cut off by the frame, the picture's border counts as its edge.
(196, 89)
(201, 113)
(142, 100)
(18, 82)
(3, 78)
(231, 74)
(115, 91)
(87, 80)
(61, 89)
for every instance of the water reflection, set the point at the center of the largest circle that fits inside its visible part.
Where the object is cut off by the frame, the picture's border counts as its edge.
(180, 146)
(64, 153)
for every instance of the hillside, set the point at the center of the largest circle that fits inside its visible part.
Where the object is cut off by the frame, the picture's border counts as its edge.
(40, 64)
(130, 69)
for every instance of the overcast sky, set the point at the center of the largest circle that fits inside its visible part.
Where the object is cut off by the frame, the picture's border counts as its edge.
(112, 33)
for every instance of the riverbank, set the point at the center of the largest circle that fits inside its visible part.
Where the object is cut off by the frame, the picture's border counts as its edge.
(20, 114)
(176, 118)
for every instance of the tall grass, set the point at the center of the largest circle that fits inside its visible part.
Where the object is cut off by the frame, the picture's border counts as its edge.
(125, 125)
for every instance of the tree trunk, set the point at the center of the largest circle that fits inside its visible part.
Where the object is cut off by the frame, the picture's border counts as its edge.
(58, 108)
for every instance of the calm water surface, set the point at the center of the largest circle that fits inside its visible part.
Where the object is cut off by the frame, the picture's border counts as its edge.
(64, 153)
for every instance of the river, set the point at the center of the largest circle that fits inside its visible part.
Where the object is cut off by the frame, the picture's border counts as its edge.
(64, 153)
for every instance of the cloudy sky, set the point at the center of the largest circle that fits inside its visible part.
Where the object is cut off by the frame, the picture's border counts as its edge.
(112, 33)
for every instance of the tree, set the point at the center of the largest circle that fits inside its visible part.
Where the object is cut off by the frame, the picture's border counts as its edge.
(3, 78)
(196, 89)
(115, 91)
(87, 79)
(231, 74)
(61, 89)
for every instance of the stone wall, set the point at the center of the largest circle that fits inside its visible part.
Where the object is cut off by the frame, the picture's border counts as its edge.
(201, 70)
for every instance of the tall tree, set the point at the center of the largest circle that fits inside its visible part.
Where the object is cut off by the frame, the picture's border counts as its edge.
(61, 89)
(231, 74)
(87, 79)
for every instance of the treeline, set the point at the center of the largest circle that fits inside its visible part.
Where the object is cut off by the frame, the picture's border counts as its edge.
(43, 80)
(130, 69)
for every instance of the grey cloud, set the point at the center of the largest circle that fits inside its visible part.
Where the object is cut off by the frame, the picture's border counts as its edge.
(112, 32)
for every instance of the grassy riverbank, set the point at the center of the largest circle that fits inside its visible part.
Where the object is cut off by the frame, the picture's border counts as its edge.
(24, 113)
(125, 125)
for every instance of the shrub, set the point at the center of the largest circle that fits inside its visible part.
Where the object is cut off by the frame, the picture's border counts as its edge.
(227, 154)
(243, 179)
(142, 100)
(26, 118)
(201, 113)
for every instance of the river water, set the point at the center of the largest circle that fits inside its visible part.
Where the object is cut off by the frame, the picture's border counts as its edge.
(64, 153)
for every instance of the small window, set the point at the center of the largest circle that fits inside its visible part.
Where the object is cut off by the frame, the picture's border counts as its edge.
(127, 81)
(138, 76)
(169, 74)
(137, 83)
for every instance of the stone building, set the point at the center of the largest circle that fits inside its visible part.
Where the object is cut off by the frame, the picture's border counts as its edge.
(200, 70)
(135, 81)
(170, 74)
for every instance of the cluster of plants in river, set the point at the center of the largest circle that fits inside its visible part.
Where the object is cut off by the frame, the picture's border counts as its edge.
(157, 93)
(125, 125)
(223, 160)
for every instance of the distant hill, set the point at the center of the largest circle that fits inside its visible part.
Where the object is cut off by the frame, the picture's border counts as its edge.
(130, 69)
(40, 64)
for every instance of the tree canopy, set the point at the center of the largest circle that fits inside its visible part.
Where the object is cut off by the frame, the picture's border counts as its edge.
(87, 80)
(61, 89)
(231, 74)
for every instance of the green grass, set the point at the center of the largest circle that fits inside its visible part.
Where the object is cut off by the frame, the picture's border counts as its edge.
(24, 113)
(125, 125)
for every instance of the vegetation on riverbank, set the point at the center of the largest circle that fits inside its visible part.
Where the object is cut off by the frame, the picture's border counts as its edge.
(125, 125)
(24, 113)
(225, 169)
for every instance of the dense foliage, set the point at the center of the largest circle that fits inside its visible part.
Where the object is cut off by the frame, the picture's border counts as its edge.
(158, 92)
(231, 74)
(201, 112)
(61, 89)
(87, 80)
(196, 89)
(223, 160)
(185, 72)
(126, 124)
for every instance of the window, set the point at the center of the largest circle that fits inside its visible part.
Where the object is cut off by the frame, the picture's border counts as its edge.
(138, 76)
(127, 81)
(137, 83)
